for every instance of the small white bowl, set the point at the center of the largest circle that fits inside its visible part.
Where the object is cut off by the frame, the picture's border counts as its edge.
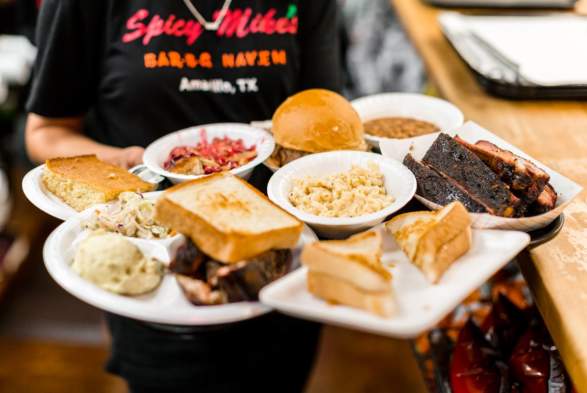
(399, 182)
(157, 152)
(416, 106)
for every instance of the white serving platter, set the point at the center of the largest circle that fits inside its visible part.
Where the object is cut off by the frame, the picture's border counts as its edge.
(165, 305)
(157, 152)
(434, 110)
(565, 188)
(420, 305)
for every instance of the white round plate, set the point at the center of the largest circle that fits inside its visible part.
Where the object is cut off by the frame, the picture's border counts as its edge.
(416, 106)
(165, 305)
(399, 182)
(43, 199)
(36, 192)
(157, 152)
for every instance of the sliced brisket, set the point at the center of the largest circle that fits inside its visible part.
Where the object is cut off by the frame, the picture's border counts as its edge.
(207, 282)
(244, 280)
(188, 259)
(454, 161)
(438, 189)
(525, 179)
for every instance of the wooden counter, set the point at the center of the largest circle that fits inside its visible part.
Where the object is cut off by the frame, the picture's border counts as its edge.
(555, 133)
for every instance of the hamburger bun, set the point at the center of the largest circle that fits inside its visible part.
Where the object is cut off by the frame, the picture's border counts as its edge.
(318, 120)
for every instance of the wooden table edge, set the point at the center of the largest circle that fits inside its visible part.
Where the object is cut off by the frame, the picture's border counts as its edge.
(562, 327)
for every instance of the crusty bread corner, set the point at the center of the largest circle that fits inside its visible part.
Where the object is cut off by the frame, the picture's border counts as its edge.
(225, 246)
(339, 291)
(363, 248)
(446, 255)
(433, 240)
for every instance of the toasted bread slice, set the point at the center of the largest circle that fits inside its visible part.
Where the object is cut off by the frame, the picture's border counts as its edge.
(433, 240)
(84, 181)
(356, 260)
(339, 291)
(227, 218)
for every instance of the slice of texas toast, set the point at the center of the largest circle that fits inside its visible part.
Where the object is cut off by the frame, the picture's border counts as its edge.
(84, 181)
(356, 260)
(350, 272)
(227, 218)
(338, 291)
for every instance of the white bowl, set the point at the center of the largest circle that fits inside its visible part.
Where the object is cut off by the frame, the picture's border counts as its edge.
(158, 151)
(416, 106)
(399, 182)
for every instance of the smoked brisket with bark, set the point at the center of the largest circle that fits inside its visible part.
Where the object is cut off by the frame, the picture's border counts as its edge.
(524, 178)
(455, 162)
(205, 281)
(438, 189)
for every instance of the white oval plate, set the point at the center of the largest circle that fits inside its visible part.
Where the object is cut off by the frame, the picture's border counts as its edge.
(166, 305)
(157, 152)
(399, 182)
(420, 304)
(442, 113)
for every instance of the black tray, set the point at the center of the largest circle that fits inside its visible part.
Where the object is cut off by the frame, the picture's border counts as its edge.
(549, 232)
(513, 91)
(521, 92)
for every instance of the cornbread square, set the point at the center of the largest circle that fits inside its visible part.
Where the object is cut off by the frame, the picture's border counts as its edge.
(84, 181)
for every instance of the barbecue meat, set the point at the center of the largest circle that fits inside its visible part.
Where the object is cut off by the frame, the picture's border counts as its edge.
(188, 259)
(504, 325)
(244, 280)
(207, 282)
(475, 366)
(199, 292)
(525, 179)
(438, 189)
(545, 202)
(282, 155)
(457, 163)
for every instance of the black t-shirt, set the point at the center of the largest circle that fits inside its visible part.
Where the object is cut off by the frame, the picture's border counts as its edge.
(143, 68)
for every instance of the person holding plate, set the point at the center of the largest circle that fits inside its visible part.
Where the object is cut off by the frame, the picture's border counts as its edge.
(112, 76)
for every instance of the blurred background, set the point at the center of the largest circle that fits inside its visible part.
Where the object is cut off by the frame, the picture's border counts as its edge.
(50, 341)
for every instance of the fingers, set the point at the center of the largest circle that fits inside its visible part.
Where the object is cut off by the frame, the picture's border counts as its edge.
(122, 157)
(132, 156)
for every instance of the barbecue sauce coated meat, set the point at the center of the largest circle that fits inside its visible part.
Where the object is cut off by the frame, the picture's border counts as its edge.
(504, 325)
(545, 202)
(523, 177)
(530, 362)
(536, 365)
(475, 366)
